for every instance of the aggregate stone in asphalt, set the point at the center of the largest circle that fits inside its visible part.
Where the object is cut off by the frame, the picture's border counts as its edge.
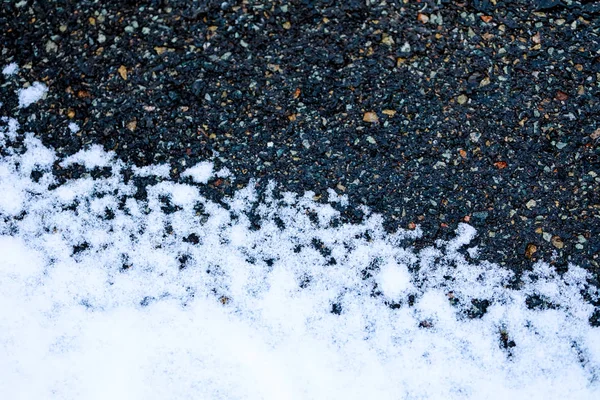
(429, 112)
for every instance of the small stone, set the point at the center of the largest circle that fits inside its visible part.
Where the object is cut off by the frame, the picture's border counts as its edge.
(389, 113)
(131, 125)
(371, 140)
(101, 38)
(557, 242)
(561, 96)
(501, 164)
(423, 18)
(370, 117)
(462, 99)
(530, 250)
(530, 204)
(561, 145)
(387, 40)
(596, 134)
(287, 25)
(546, 236)
(481, 215)
(486, 18)
(123, 72)
(51, 47)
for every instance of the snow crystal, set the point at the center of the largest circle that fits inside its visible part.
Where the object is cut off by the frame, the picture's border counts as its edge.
(10, 69)
(73, 127)
(200, 173)
(162, 170)
(224, 173)
(32, 94)
(93, 157)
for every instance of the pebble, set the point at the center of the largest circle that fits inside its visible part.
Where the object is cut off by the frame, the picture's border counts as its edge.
(370, 117)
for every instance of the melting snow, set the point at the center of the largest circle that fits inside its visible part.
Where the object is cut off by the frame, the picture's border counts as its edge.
(73, 127)
(200, 173)
(32, 94)
(174, 296)
(10, 69)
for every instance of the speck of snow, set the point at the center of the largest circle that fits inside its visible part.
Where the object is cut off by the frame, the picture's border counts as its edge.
(93, 157)
(10, 69)
(200, 173)
(32, 94)
(224, 173)
(333, 197)
(153, 170)
(73, 127)
(8, 129)
(108, 295)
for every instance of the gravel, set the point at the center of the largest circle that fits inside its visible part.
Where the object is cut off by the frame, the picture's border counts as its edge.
(430, 112)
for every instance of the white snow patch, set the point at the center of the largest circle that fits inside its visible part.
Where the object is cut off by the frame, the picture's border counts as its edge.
(8, 129)
(93, 157)
(335, 198)
(201, 172)
(162, 170)
(73, 127)
(32, 94)
(224, 173)
(10, 69)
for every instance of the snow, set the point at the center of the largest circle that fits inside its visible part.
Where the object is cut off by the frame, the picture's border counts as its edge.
(73, 127)
(10, 69)
(106, 295)
(200, 173)
(32, 94)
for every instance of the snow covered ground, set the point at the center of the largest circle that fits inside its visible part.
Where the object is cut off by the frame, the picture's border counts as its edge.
(103, 296)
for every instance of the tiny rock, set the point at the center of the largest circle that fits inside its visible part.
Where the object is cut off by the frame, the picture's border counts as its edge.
(557, 242)
(387, 40)
(51, 47)
(462, 99)
(131, 125)
(561, 96)
(530, 250)
(370, 117)
(530, 204)
(123, 72)
(422, 18)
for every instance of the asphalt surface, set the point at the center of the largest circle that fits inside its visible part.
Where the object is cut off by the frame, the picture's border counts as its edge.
(429, 112)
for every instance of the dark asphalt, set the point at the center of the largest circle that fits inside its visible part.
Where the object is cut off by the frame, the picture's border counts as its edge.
(429, 112)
